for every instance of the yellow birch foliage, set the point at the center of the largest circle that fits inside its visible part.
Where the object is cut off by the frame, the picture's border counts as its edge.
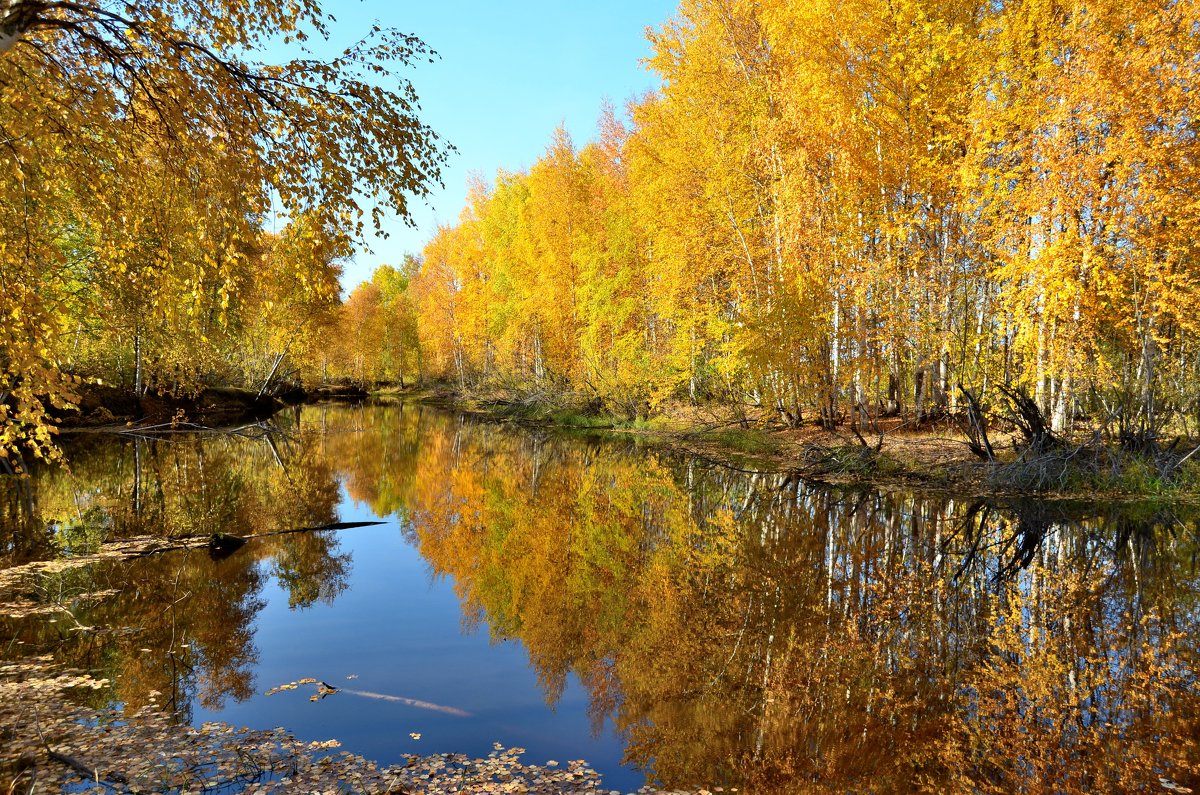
(852, 209)
(141, 146)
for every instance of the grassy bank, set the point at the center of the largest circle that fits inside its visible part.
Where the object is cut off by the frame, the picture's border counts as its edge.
(930, 456)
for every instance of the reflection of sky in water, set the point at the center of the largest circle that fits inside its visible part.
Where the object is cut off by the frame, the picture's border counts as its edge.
(403, 635)
(744, 628)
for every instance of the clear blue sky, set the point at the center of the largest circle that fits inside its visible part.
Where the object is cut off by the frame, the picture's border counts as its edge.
(510, 72)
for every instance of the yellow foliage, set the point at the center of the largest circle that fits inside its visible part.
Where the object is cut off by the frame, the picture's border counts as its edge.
(143, 150)
(852, 208)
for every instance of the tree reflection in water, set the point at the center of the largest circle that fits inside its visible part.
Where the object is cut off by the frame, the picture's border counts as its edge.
(746, 629)
(754, 629)
(177, 626)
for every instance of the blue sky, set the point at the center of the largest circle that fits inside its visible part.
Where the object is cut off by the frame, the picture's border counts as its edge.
(509, 74)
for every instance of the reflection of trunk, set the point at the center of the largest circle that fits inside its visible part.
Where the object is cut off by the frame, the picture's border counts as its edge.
(275, 452)
(829, 541)
(535, 479)
(137, 477)
(760, 734)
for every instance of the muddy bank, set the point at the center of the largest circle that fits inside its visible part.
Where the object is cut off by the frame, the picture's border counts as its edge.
(100, 405)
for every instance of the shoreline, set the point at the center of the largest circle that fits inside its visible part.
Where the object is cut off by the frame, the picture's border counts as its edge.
(932, 460)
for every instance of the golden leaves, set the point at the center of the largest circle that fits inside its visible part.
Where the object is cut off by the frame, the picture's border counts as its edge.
(864, 204)
(146, 149)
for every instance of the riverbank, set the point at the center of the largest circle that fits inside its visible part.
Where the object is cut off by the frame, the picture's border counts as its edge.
(896, 453)
(893, 453)
(102, 405)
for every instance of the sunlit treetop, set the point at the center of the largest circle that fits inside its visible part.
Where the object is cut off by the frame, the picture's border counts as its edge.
(318, 133)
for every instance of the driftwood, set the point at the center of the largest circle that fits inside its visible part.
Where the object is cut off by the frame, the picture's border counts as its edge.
(330, 526)
(976, 429)
(250, 430)
(222, 545)
(87, 771)
(1030, 421)
(324, 689)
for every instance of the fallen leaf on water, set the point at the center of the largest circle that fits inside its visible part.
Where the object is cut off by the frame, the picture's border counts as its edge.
(152, 753)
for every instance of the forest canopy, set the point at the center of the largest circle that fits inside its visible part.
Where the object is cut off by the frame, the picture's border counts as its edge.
(833, 210)
(150, 149)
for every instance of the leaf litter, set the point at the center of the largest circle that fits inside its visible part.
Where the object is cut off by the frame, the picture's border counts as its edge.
(49, 741)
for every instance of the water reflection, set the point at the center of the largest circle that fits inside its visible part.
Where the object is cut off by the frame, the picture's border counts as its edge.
(739, 629)
(749, 627)
(178, 627)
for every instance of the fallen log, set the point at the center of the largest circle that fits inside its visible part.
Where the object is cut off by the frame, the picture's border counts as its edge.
(142, 546)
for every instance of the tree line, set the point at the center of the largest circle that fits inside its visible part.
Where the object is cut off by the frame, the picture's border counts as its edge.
(175, 204)
(840, 211)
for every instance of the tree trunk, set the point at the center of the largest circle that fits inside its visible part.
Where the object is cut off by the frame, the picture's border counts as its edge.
(271, 375)
(16, 17)
(137, 362)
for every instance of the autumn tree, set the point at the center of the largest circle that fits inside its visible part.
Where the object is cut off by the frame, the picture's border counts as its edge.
(1084, 118)
(841, 211)
(287, 304)
(94, 96)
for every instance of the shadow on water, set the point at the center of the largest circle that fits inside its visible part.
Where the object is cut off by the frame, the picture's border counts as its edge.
(740, 629)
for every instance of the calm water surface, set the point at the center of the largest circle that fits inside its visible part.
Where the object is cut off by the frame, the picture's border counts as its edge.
(666, 619)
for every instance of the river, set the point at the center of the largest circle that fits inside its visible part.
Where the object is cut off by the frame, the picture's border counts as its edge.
(666, 618)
